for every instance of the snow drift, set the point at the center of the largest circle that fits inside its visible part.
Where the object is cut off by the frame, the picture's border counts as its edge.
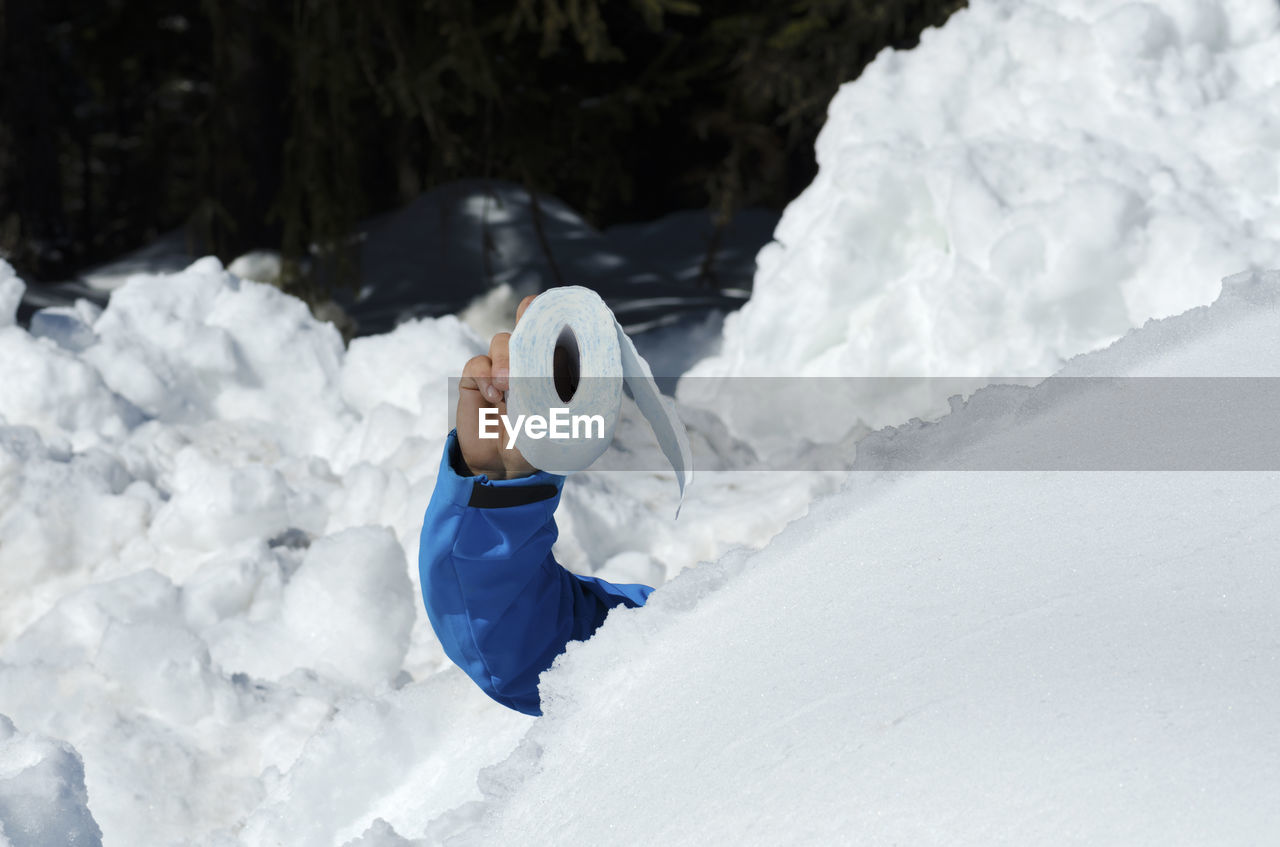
(1029, 183)
(946, 658)
(208, 515)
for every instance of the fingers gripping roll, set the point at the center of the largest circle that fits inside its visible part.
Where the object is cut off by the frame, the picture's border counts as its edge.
(569, 358)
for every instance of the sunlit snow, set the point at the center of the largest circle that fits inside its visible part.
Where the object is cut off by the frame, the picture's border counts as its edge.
(1032, 181)
(210, 628)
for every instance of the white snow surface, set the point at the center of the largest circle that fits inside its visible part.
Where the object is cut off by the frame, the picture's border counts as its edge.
(947, 658)
(209, 519)
(1029, 183)
(210, 628)
(42, 797)
(226, 628)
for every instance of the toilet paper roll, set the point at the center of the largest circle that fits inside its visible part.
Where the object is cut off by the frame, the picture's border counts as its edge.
(571, 331)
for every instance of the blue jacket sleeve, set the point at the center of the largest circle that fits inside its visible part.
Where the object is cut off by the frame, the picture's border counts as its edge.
(501, 605)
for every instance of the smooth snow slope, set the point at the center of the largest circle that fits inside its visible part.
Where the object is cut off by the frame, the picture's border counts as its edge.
(1033, 180)
(946, 658)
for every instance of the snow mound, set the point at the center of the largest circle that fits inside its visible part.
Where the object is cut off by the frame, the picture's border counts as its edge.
(208, 515)
(1073, 657)
(204, 345)
(1030, 182)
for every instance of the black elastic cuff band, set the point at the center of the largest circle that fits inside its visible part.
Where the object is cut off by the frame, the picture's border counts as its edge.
(495, 497)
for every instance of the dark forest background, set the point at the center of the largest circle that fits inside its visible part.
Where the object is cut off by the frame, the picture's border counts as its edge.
(279, 123)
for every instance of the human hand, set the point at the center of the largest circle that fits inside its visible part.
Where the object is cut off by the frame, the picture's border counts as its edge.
(484, 379)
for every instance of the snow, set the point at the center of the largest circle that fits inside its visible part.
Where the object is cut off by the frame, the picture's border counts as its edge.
(42, 796)
(1060, 657)
(1029, 183)
(209, 518)
(210, 629)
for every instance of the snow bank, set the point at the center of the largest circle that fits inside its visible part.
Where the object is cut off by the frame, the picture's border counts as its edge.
(202, 345)
(209, 518)
(43, 802)
(1076, 657)
(1029, 183)
(207, 513)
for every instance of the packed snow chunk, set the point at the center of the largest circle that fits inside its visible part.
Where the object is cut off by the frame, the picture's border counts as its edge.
(263, 266)
(70, 327)
(203, 343)
(405, 758)
(49, 388)
(370, 495)
(43, 802)
(61, 517)
(11, 290)
(153, 716)
(350, 606)
(164, 665)
(1140, 29)
(410, 365)
(72, 632)
(214, 504)
(382, 834)
(342, 606)
(1029, 183)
